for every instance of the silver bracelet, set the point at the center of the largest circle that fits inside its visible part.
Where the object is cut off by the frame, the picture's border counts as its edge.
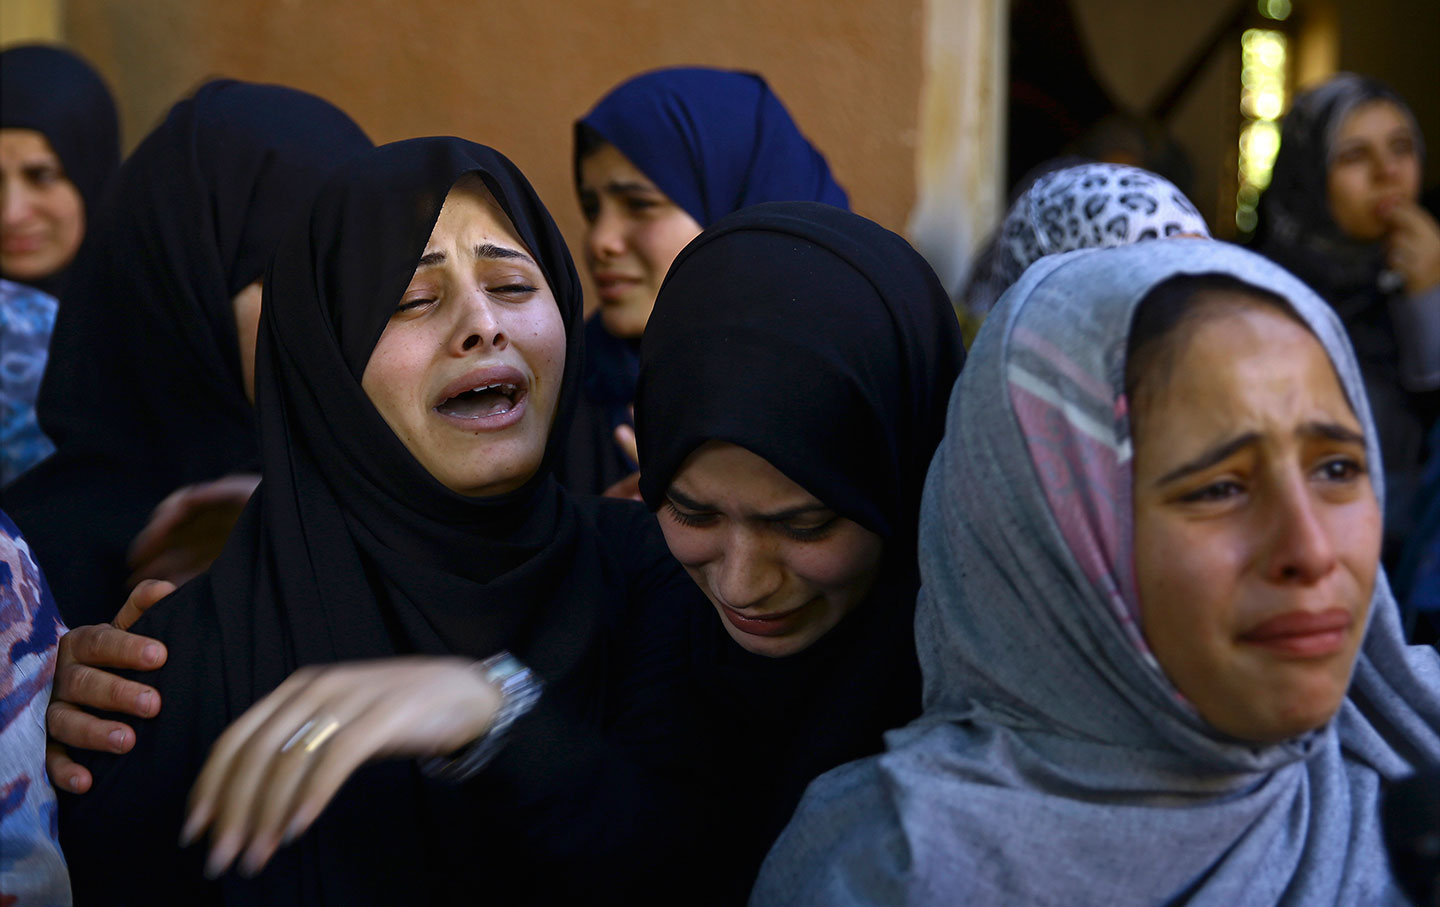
(520, 689)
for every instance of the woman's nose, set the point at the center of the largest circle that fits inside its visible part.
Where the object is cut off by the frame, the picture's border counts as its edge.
(606, 237)
(15, 202)
(748, 574)
(478, 325)
(1301, 547)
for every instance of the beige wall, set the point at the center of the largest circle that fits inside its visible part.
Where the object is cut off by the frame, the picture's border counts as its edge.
(516, 75)
(29, 20)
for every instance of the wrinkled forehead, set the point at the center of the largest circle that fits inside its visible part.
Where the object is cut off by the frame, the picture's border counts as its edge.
(471, 209)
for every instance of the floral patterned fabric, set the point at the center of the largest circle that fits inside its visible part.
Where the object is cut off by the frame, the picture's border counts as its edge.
(32, 869)
(27, 316)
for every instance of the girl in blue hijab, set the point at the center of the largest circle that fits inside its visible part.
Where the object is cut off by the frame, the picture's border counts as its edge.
(659, 159)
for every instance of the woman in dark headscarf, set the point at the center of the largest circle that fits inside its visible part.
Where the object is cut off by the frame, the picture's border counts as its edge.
(59, 143)
(413, 384)
(792, 388)
(659, 159)
(1342, 214)
(1161, 662)
(145, 390)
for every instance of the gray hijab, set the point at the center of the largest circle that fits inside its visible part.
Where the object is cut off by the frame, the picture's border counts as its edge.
(1055, 763)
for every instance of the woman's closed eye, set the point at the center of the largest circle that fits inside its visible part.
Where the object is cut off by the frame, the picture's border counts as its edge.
(809, 530)
(413, 304)
(687, 517)
(517, 289)
(1214, 492)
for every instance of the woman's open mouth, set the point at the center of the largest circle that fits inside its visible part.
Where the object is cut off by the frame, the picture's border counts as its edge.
(487, 399)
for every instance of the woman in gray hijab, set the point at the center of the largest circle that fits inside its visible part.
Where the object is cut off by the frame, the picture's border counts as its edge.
(1161, 661)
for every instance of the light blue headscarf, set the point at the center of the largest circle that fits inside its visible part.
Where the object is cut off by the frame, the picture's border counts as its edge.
(1055, 763)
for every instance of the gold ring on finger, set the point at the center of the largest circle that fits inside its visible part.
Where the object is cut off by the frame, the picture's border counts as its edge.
(312, 735)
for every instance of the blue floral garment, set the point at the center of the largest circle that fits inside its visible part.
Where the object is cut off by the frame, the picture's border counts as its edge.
(27, 316)
(32, 869)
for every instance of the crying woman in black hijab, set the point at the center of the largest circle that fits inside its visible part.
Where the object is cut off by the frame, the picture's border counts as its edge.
(146, 388)
(416, 371)
(793, 383)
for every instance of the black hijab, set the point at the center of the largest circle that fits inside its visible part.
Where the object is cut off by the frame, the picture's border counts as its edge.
(355, 550)
(143, 392)
(350, 549)
(60, 96)
(825, 344)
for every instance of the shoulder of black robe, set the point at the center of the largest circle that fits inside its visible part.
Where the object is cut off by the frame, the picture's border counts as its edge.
(350, 549)
(825, 344)
(56, 93)
(143, 391)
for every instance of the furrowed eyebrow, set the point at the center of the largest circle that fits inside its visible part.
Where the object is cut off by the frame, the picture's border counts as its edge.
(430, 260)
(1332, 431)
(1209, 458)
(780, 516)
(492, 251)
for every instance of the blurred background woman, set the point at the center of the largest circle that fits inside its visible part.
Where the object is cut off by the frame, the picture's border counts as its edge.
(59, 143)
(657, 160)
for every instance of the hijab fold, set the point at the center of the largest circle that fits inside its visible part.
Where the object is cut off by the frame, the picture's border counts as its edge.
(1055, 762)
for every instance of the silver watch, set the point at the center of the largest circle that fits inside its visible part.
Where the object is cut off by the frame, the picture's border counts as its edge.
(519, 691)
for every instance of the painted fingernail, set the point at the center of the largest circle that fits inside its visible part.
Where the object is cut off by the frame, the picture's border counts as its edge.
(150, 654)
(145, 702)
(117, 740)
